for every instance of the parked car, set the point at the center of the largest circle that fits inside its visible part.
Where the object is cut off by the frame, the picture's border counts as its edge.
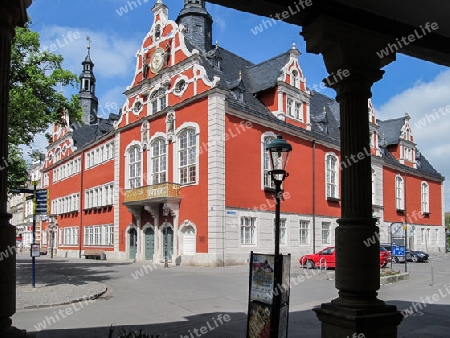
(417, 256)
(327, 258)
(412, 256)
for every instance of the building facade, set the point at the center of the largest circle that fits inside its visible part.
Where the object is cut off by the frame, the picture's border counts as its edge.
(182, 168)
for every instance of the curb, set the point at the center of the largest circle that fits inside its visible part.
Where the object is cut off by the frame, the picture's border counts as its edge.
(394, 279)
(383, 280)
(76, 300)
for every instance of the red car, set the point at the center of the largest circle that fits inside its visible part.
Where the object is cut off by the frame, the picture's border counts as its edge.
(326, 258)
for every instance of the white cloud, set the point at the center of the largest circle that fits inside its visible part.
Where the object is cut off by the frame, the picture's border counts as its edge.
(111, 101)
(112, 54)
(426, 103)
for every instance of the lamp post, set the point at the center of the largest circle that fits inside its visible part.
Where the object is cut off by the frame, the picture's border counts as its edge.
(166, 211)
(279, 151)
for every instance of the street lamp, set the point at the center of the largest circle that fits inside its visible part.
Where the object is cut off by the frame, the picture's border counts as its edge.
(279, 151)
(166, 211)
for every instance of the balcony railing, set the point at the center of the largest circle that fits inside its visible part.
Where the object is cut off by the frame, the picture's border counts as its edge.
(152, 192)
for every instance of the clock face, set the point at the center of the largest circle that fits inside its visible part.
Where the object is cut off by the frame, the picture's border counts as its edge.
(157, 60)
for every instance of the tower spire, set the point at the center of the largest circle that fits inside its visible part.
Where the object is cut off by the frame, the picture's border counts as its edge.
(88, 100)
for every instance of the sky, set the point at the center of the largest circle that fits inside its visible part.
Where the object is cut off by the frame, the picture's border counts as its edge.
(116, 29)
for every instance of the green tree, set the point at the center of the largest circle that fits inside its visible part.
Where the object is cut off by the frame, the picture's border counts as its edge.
(35, 98)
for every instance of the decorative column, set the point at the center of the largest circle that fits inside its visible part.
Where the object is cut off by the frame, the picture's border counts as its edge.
(12, 13)
(353, 64)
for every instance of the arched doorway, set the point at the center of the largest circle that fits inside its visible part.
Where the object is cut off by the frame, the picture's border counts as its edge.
(132, 243)
(149, 243)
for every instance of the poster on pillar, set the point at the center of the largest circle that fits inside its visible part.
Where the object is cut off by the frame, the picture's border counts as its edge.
(262, 277)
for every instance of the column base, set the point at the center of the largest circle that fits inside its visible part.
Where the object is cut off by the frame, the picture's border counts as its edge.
(13, 332)
(341, 322)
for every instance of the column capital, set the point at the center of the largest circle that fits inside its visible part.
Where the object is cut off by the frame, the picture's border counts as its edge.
(13, 13)
(351, 54)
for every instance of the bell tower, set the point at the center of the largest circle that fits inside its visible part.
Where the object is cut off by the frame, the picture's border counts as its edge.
(198, 24)
(88, 100)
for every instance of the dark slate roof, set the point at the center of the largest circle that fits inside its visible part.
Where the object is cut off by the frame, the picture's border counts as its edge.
(86, 134)
(423, 166)
(265, 74)
(324, 121)
(325, 124)
(391, 129)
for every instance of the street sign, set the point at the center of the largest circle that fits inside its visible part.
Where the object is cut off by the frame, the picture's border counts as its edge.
(41, 202)
(21, 191)
(398, 250)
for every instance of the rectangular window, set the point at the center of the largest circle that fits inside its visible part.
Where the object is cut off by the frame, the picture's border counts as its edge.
(70, 235)
(268, 182)
(248, 230)
(99, 235)
(188, 157)
(331, 176)
(304, 232)
(326, 233)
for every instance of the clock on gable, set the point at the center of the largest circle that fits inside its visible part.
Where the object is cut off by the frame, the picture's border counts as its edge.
(157, 60)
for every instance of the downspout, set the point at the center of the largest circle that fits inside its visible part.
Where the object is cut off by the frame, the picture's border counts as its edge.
(81, 202)
(314, 196)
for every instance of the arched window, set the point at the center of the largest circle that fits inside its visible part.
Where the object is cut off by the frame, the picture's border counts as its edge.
(134, 167)
(187, 156)
(425, 189)
(158, 101)
(399, 193)
(332, 178)
(158, 161)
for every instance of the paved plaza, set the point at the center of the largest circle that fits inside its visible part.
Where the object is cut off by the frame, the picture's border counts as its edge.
(199, 301)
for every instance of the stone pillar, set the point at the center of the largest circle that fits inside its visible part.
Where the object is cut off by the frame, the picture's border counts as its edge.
(12, 13)
(351, 60)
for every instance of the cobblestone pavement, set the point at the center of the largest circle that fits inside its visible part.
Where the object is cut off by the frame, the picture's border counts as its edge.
(50, 295)
(51, 289)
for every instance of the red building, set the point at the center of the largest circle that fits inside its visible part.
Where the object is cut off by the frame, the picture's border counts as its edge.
(190, 140)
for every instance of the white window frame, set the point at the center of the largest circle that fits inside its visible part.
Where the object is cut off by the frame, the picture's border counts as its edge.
(247, 230)
(399, 193)
(329, 174)
(137, 179)
(158, 100)
(191, 150)
(266, 179)
(425, 197)
(374, 186)
(159, 160)
(326, 233)
(303, 227)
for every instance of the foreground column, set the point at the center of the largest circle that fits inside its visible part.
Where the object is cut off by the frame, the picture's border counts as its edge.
(12, 13)
(351, 60)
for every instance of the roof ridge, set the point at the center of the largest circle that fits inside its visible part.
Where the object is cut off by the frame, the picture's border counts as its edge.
(272, 58)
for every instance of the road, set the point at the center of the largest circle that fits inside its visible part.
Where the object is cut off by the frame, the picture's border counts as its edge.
(198, 301)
